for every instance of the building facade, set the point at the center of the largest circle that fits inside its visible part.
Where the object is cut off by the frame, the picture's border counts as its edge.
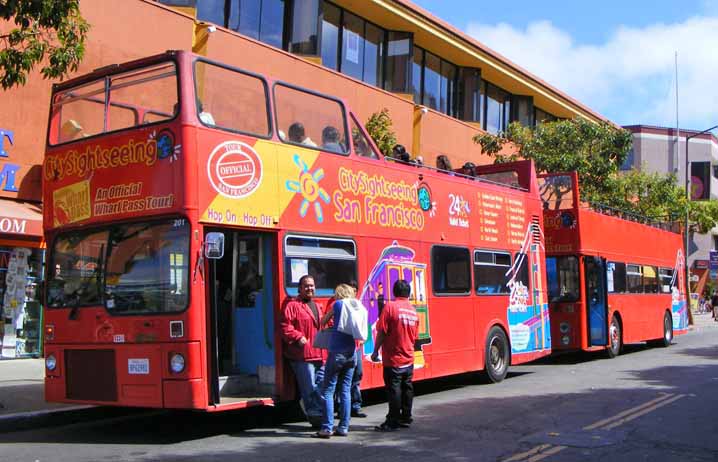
(441, 88)
(663, 150)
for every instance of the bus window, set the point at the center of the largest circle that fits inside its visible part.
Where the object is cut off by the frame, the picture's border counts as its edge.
(153, 88)
(79, 112)
(556, 192)
(362, 146)
(147, 268)
(490, 272)
(616, 277)
(329, 261)
(634, 279)
(650, 280)
(76, 276)
(321, 119)
(563, 280)
(665, 276)
(231, 100)
(523, 269)
(451, 270)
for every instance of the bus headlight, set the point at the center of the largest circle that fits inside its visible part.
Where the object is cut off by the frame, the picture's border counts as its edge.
(177, 363)
(565, 340)
(564, 327)
(50, 362)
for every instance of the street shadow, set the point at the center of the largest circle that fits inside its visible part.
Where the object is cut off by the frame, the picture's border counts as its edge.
(704, 352)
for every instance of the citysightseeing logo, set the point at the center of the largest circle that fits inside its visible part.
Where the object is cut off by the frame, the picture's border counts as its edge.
(234, 169)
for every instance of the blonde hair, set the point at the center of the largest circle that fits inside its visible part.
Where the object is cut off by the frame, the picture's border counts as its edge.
(344, 291)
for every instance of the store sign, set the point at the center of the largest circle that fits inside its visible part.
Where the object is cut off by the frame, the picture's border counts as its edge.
(9, 171)
(700, 264)
(713, 258)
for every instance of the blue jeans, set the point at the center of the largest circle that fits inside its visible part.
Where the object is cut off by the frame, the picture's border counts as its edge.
(339, 368)
(309, 375)
(356, 380)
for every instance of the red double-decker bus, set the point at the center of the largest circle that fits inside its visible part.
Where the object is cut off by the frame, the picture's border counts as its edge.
(612, 279)
(185, 198)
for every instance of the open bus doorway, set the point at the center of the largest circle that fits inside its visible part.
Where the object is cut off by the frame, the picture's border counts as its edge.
(241, 285)
(595, 269)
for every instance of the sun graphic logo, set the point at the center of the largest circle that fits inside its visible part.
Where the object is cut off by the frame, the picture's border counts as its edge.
(234, 169)
(308, 187)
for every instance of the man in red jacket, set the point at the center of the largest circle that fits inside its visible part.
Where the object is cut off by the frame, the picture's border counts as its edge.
(299, 324)
(396, 332)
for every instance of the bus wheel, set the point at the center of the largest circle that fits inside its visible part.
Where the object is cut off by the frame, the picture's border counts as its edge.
(667, 332)
(615, 337)
(497, 355)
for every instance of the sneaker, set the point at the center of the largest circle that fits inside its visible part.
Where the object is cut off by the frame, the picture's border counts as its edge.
(322, 434)
(359, 414)
(340, 433)
(386, 427)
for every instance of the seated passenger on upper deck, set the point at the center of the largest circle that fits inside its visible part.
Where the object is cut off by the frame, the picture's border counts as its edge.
(468, 169)
(399, 153)
(297, 135)
(330, 139)
(205, 117)
(443, 163)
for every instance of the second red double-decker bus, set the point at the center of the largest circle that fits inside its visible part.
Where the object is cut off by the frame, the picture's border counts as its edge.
(612, 278)
(184, 200)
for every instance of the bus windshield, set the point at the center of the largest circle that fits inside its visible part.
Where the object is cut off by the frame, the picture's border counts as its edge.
(130, 268)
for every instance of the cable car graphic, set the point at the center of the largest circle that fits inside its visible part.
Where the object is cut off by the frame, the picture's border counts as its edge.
(397, 262)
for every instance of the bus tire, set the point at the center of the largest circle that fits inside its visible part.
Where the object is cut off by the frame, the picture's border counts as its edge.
(615, 338)
(667, 338)
(497, 355)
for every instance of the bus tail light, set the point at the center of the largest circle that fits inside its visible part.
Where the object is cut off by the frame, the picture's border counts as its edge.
(177, 363)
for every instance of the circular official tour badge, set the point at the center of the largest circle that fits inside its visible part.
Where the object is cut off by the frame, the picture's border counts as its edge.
(234, 169)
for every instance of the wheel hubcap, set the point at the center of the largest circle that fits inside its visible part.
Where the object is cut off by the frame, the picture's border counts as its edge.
(614, 336)
(497, 357)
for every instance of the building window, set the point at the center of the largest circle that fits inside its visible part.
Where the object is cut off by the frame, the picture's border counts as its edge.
(471, 94)
(700, 181)
(628, 161)
(497, 109)
(434, 82)
(399, 65)
(304, 27)
(541, 116)
(522, 108)
(361, 44)
(260, 19)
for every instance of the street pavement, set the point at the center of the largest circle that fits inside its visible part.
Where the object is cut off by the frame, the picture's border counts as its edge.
(631, 408)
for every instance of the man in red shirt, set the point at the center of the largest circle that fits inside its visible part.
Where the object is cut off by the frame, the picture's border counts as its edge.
(396, 333)
(299, 324)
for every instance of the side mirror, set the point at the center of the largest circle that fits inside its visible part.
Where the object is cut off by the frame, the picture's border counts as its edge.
(214, 246)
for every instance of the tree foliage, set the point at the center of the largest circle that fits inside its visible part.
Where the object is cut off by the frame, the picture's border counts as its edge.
(51, 32)
(596, 152)
(379, 128)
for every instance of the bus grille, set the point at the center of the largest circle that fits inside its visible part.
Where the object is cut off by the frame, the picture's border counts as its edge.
(90, 375)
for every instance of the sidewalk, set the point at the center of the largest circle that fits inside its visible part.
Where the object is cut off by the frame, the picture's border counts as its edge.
(22, 398)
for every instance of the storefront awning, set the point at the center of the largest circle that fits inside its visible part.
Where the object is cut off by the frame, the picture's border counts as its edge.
(20, 218)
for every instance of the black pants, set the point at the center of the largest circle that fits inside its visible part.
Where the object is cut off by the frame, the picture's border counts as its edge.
(400, 394)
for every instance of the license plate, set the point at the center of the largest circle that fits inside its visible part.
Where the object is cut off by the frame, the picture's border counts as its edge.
(138, 366)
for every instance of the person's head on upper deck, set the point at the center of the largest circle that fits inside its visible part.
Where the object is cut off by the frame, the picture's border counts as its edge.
(469, 169)
(296, 132)
(399, 152)
(443, 162)
(330, 135)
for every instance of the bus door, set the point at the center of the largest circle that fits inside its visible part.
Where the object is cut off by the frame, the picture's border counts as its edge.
(596, 304)
(241, 285)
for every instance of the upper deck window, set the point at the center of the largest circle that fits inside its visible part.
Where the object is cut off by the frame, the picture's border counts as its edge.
(556, 192)
(117, 102)
(231, 100)
(310, 119)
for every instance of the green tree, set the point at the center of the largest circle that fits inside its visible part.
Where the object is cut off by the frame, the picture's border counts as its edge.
(49, 31)
(596, 152)
(379, 128)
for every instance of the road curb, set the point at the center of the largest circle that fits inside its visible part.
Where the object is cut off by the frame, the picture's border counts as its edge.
(54, 417)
